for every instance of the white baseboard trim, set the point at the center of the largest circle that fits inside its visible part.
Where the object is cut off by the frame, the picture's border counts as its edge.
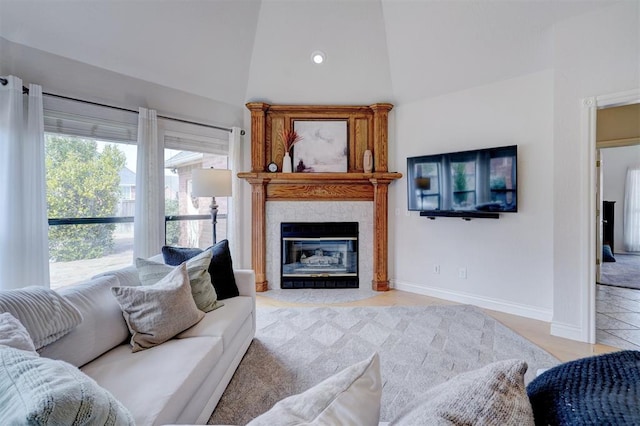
(568, 331)
(526, 311)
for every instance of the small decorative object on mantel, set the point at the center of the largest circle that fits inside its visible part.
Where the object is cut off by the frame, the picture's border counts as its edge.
(289, 138)
(367, 161)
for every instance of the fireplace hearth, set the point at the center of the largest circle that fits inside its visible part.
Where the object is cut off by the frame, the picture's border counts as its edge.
(319, 255)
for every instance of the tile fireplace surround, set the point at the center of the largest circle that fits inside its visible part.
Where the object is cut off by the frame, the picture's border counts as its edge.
(320, 211)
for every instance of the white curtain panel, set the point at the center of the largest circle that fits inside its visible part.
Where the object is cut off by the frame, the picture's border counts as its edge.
(24, 253)
(234, 215)
(148, 226)
(632, 210)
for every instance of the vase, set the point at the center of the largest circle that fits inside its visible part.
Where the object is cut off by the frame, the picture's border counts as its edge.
(286, 163)
(367, 161)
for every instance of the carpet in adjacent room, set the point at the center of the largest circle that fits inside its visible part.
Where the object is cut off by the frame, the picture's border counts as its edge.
(419, 347)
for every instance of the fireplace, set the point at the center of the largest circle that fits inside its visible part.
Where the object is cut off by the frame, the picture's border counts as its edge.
(319, 255)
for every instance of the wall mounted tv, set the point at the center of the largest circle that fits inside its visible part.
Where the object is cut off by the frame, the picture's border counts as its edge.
(478, 183)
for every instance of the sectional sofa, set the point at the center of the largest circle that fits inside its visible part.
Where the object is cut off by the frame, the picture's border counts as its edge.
(179, 381)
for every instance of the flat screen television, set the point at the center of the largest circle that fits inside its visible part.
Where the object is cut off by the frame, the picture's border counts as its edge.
(479, 182)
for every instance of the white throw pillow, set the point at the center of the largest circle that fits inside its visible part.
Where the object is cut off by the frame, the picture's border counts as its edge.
(492, 395)
(156, 313)
(38, 390)
(45, 314)
(351, 397)
(13, 333)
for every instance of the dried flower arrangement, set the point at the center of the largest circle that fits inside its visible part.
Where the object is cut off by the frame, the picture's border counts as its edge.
(289, 138)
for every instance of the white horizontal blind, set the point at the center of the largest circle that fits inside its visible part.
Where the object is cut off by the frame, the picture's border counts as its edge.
(194, 138)
(75, 118)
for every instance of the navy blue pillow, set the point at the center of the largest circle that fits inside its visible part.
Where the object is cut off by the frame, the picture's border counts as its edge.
(220, 268)
(607, 254)
(598, 390)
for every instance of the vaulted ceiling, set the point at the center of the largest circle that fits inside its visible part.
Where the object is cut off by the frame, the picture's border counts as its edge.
(234, 51)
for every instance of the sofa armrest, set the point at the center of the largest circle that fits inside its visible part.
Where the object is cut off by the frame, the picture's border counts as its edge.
(246, 282)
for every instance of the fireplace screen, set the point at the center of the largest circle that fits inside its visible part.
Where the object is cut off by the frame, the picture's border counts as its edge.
(319, 255)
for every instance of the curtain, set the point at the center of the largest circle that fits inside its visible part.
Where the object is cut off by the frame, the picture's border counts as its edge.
(632, 210)
(233, 211)
(148, 225)
(24, 241)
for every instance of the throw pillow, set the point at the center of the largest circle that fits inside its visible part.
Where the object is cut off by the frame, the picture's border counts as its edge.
(220, 268)
(38, 390)
(494, 394)
(351, 397)
(602, 389)
(607, 254)
(156, 313)
(197, 267)
(45, 314)
(13, 334)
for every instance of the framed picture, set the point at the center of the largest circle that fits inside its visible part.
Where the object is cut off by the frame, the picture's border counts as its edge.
(323, 147)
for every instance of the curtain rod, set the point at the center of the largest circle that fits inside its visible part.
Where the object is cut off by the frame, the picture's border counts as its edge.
(25, 91)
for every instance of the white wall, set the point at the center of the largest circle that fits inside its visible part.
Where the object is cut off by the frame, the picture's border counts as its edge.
(509, 261)
(71, 78)
(594, 54)
(615, 163)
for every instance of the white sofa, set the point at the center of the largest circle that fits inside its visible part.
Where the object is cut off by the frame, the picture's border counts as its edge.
(179, 381)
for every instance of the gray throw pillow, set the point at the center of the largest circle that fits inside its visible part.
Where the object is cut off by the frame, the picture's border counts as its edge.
(492, 395)
(13, 334)
(202, 290)
(45, 314)
(41, 391)
(350, 397)
(156, 313)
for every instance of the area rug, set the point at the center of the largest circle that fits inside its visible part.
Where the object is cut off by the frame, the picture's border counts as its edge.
(624, 272)
(419, 347)
(320, 296)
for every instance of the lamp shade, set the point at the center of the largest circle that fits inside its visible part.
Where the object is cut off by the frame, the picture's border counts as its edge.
(211, 183)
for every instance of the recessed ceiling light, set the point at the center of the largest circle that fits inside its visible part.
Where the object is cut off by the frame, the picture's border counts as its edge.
(318, 57)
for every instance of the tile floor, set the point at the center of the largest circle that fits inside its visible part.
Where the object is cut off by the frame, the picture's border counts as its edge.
(618, 317)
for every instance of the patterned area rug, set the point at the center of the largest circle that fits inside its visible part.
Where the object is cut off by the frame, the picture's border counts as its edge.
(624, 272)
(419, 347)
(320, 296)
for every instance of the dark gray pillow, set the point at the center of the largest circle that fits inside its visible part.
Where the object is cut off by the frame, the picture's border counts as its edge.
(220, 268)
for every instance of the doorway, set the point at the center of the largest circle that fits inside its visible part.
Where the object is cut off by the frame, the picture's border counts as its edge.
(617, 293)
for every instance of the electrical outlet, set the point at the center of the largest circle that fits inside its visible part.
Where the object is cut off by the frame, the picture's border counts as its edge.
(462, 273)
(436, 269)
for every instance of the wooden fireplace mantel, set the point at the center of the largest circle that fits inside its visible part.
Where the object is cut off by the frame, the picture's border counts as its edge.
(367, 129)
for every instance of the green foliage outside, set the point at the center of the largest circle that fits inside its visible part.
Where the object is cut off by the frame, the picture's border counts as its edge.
(171, 208)
(459, 183)
(81, 182)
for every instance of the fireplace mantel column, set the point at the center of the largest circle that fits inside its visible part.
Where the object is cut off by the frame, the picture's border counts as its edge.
(258, 232)
(380, 235)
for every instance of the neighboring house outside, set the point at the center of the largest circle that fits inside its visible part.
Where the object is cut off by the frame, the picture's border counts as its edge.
(196, 233)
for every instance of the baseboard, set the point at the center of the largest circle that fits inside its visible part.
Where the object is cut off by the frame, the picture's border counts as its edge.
(568, 331)
(526, 311)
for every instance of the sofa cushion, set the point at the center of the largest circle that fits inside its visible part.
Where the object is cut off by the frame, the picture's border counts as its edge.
(494, 394)
(156, 313)
(224, 322)
(38, 390)
(220, 268)
(13, 333)
(103, 326)
(156, 384)
(202, 290)
(45, 314)
(351, 397)
(127, 276)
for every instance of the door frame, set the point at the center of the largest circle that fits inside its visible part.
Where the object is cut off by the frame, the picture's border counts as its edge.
(590, 106)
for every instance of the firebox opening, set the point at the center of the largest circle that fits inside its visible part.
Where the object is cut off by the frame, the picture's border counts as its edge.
(319, 255)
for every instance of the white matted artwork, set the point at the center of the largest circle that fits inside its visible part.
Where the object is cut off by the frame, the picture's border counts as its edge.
(323, 147)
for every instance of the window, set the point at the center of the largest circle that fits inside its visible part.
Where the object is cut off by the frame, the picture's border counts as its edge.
(90, 202)
(189, 218)
(463, 178)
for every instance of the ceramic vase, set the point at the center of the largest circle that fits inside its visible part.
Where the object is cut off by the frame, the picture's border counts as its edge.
(286, 163)
(367, 161)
